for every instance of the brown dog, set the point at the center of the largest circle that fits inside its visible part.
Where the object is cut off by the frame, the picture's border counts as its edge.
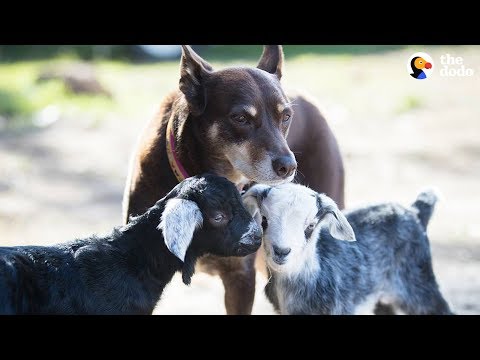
(233, 122)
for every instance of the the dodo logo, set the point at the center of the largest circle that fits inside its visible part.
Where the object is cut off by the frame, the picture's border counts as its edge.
(420, 65)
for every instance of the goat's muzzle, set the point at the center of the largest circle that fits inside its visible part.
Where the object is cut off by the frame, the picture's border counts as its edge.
(250, 241)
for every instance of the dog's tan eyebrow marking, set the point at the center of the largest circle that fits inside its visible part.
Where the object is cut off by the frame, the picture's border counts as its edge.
(251, 110)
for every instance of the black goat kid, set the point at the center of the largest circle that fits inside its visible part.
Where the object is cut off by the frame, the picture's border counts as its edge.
(126, 271)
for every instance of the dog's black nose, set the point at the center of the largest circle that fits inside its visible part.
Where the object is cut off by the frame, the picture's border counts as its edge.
(284, 166)
(281, 252)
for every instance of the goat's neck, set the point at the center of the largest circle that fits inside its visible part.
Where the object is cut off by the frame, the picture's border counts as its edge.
(284, 288)
(147, 255)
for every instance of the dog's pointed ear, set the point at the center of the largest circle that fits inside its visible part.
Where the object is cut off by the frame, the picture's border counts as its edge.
(193, 71)
(272, 60)
(180, 219)
(252, 200)
(337, 224)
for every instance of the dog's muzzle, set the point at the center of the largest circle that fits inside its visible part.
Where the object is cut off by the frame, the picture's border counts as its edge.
(284, 166)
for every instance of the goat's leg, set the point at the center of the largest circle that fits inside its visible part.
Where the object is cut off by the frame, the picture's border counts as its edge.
(424, 299)
(432, 304)
(417, 291)
(384, 309)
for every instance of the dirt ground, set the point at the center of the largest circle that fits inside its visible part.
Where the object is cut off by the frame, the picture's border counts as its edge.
(397, 136)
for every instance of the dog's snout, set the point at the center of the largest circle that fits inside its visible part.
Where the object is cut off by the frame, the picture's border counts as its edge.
(284, 166)
(281, 252)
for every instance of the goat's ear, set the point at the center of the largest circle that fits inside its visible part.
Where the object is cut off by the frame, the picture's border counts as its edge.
(272, 60)
(188, 268)
(193, 71)
(252, 199)
(337, 224)
(179, 220)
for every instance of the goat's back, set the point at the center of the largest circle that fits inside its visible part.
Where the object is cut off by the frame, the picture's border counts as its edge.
(27, 274)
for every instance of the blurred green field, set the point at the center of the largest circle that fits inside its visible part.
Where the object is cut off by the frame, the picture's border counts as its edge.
(21, 95)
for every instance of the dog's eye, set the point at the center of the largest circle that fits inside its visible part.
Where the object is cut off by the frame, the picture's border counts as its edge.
(286, 118)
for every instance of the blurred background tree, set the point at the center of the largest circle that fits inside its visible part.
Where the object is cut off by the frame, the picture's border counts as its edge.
(33, 77)
(167, 52)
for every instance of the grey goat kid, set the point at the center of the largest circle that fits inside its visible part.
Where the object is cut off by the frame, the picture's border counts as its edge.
(323, 261)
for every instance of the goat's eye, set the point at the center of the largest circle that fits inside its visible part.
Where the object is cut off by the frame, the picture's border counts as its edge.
(286, 118)
(240, 119)
(264, 222)
(309, 230)
(218, 218)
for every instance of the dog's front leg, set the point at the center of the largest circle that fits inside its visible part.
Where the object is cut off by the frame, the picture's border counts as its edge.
(238, 276)
(239, 283)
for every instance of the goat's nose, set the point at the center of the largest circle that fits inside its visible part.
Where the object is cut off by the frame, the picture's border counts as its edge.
(284, 166)
(281, 252)
(253, 239)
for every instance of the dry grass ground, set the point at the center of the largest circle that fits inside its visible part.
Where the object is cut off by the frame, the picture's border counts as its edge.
(397, 135)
